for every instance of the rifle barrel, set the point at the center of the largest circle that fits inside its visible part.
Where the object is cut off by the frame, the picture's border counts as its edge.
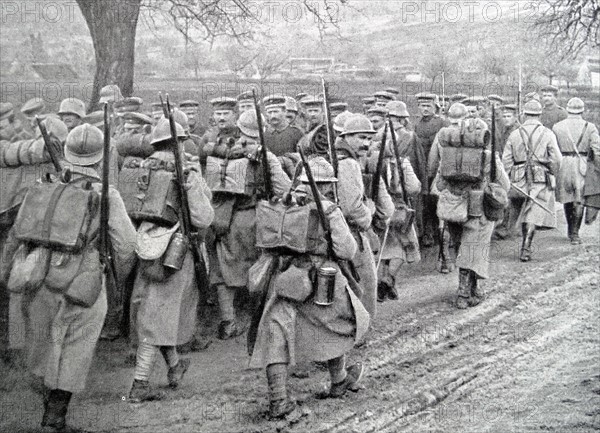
(49, 148)
(263, 148)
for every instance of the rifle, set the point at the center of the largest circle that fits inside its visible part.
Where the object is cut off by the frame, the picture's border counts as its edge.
(48, 144)
(379, 169)
(533, 200)
(519, 92)
(114, 292)
(399, 164)
(330, 135)
(186, 220)
(493, 173)
(345, 266)
(164, 107)
(263, 149)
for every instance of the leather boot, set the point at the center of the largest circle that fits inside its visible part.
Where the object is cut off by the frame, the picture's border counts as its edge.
(141, 391)
(577, 218)
(477, 293)
(464, 289)
(568, 207)
(55, 412)
(528, 232)
(280, 405)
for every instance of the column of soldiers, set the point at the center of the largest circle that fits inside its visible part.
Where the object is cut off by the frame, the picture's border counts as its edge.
(386, 187)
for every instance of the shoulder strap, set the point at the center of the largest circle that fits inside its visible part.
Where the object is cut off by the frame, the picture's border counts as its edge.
(581, 137)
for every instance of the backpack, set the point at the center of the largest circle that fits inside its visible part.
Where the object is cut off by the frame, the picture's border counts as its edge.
(240, 176)
(148, 189)
(462, 154)
(294, 228)
(57, 227)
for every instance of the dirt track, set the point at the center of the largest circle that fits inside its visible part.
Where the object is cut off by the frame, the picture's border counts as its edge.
(525, 360)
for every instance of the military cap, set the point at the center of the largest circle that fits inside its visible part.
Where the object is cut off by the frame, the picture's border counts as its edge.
(33, 107)
(95, 118)
(377, 111)
(110, 93)
(341, 106)
(575, 106)
(358, 124)
(72, 106)
(128, 104)
(274, 100)
(245, 96)
(84, 145)
(397, 109)
(136, 118)
(510, 107)
(427, 97)
(496, 98)
(300, 96)
(224, 103)
(474, 101)
(156, 106)
(533, 108)
(291, 104)
(387, 96)
(311, 101)
(6, 110)
(393, 91)
(549, 88)
(321, 170)
(368, 100)
(458, 97)
(189, 103)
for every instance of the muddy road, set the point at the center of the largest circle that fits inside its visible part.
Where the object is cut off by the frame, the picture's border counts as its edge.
(525, 360)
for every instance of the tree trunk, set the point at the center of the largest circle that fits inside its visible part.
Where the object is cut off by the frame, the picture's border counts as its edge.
(112, 25)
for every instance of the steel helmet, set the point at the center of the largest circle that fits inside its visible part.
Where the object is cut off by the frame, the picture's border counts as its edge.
(72, 106)
(84, 145)
(357, 124)
(162, 131)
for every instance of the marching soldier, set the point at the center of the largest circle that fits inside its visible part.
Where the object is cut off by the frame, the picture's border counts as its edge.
(336, 108)
(552, 112)
(532, 158)
(409, 147)
(510, 123)
(576, 138)
(281, 138)
(225, 129)
(190, 109)
(426, 129)
(352, 145)
(65, 332)
(234, 250)
(72, 112)
(313, 107)
(293, 328)
(167, 298)
(245, 101)
(367, 103)
(293, 114)
(382, 98)
(470, 233)
(30, 109)
(21, 162)
(377, 116)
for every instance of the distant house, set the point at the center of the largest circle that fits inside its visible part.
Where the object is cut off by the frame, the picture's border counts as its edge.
(311, 65)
